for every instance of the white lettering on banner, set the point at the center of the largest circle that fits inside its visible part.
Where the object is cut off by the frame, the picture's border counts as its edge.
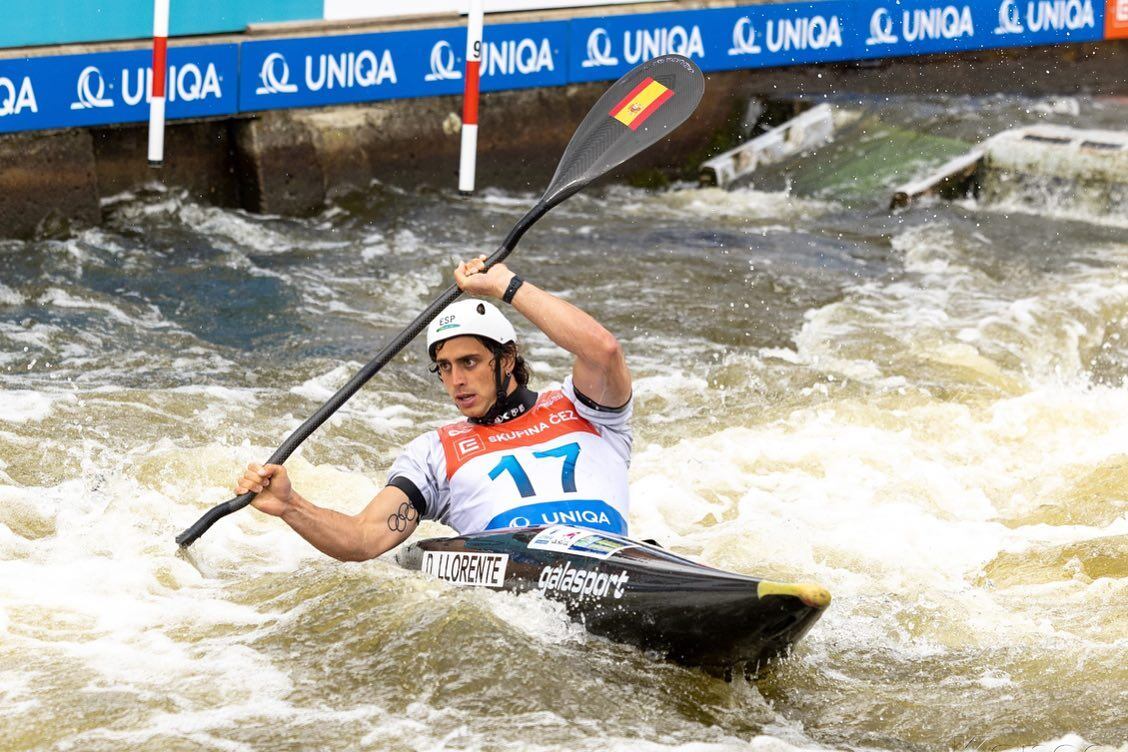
(599, 50)
(744, 38)
(91, 90)
(186, 83)
(15, 99)
(144, 78)
(275, 79)
(948, 22)
(650, 43)
(190, 83)
(1058, 15)
(1046, 15)
(484, 570)
(442, 63)
(567, 579)
(814, 33)
(881, 28)
(348, 69)
(511, 56)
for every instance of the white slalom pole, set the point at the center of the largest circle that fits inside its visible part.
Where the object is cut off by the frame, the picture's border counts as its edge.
(160, 71)
(468, 160)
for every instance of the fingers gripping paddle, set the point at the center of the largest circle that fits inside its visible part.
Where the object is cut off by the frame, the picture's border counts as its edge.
(639, 109)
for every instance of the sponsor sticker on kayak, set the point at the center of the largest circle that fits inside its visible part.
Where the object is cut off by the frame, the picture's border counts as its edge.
(479, 569)
(579, 541)
(565, 578)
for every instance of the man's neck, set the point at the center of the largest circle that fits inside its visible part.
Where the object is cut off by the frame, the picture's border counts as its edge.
(516, 403)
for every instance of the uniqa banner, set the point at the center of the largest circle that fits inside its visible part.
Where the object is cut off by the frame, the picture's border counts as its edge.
(100, 88)
(111, 87)
(306, 72)
(775, 35)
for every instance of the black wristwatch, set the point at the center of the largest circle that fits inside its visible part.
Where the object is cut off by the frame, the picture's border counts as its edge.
(514, 286)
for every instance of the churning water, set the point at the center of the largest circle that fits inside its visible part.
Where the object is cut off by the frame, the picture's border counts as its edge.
(924, 412)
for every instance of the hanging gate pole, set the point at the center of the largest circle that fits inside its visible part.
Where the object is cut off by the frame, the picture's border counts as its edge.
(157, 94)
(468, 160)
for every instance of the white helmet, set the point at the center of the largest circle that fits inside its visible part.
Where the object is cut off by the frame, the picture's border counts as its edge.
(474, 317)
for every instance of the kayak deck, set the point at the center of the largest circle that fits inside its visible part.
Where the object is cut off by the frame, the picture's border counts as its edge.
(633, 592)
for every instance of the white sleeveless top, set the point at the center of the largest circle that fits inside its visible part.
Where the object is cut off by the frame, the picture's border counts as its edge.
(561, 462)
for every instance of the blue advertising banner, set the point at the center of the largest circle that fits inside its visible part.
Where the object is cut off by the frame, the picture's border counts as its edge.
(109, 87)
(113, 87)
(917, 27)
(772, 35)
(752, 36)
(397, 65)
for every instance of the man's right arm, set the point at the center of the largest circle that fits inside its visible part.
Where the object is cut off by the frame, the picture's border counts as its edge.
(388, 520)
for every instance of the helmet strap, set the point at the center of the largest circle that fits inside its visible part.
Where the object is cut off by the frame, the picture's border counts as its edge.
(502, 384)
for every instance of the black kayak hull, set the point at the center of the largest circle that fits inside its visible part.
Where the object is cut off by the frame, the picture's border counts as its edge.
(633, 592)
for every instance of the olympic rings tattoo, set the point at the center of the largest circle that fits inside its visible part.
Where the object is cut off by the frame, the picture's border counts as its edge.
(398, 521)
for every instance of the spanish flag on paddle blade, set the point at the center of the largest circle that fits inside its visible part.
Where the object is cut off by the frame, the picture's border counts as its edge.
(641, 103)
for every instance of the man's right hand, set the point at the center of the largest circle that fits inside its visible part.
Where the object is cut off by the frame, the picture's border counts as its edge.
(271, 483)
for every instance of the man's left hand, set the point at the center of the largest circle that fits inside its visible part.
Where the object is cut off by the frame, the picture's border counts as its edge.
(473, 281)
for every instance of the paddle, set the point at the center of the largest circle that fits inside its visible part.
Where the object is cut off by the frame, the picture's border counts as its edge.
(638, 110)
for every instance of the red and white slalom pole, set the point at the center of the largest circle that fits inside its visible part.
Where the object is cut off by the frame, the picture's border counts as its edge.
(469, 156)
(160, 72)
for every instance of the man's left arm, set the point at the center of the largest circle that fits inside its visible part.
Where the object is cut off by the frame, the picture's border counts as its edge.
(599, 371)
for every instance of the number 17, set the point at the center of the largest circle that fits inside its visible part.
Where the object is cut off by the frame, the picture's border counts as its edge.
(568, 452)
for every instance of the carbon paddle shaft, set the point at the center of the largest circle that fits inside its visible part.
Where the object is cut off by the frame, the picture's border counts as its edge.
(390, 350)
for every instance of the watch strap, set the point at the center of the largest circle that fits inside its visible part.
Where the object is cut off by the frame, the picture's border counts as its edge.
(514, 286)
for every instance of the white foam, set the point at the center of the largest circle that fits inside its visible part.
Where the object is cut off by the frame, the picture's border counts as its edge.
(21, 406)
(953, 316)
(8, 296)
(149, 319)
(1069, 743)
(744, 204)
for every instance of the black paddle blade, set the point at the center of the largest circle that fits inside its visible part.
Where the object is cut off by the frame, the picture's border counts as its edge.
(642, 107)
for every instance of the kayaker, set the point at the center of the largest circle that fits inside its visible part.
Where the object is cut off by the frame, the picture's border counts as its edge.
(518, 459)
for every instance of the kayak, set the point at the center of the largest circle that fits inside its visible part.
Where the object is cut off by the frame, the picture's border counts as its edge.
(633, 592)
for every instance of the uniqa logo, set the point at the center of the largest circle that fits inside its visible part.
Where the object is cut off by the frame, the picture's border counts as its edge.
(275, 80)
(645, 44)
(186, 83)
(813, 32)
(881, 28)
(599, 50)
(1046, 15)
(91, 90)
(948, 22)
(509, 57)
(14, 99)
(442, 63)
(744, 38)
(1010, 19)
(349, 69)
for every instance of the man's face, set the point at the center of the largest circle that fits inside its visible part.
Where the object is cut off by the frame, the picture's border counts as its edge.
(466, 370)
